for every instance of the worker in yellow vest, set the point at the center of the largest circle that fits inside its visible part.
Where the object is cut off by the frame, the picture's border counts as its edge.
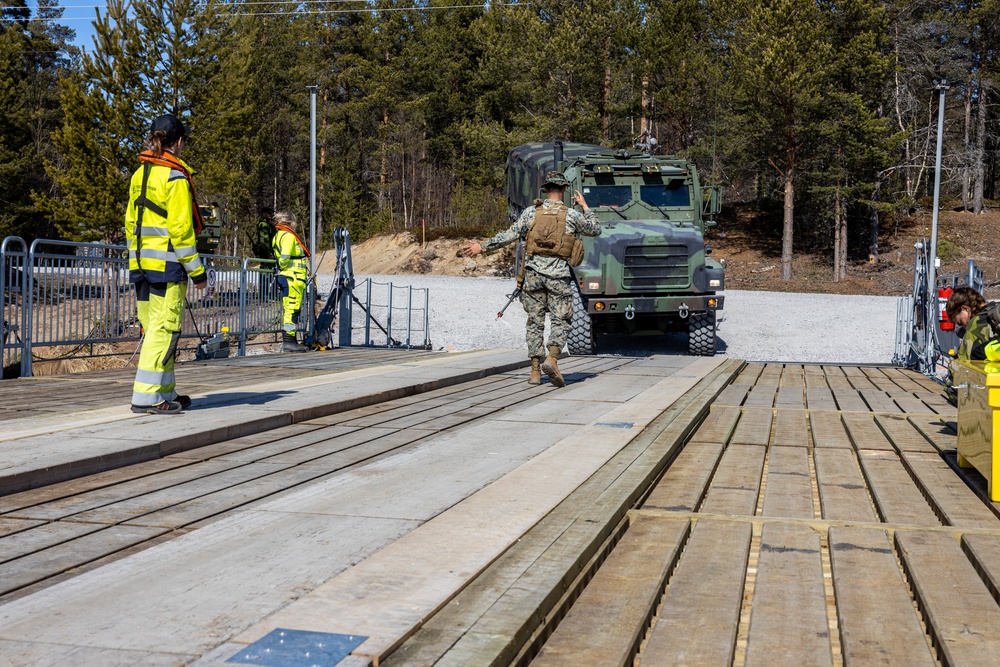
(161, 222)
(293, 270)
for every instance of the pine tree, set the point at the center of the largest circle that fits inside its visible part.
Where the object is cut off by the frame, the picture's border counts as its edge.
(780, 60)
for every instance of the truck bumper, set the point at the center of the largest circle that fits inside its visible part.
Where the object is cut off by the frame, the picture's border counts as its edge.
(654, 305)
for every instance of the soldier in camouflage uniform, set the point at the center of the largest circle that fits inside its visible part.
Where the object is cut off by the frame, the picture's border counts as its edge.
(547, 285)
(968, 309)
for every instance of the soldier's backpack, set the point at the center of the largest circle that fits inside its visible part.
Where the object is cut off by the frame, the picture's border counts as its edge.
(547, 236)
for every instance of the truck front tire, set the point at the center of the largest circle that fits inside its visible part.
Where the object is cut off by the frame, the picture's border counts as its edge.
(581, 338)
(701, 334)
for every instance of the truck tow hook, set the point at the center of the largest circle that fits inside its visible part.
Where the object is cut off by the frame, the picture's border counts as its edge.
(629, 312)
(683, 311)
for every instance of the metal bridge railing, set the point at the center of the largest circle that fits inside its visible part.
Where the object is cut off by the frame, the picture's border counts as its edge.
(390, 309)
(70, 297)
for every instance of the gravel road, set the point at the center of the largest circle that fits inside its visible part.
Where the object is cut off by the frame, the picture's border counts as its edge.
(756, 326)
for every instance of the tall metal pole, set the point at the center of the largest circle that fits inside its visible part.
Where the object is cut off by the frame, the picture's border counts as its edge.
(941, 86)
(312, 207)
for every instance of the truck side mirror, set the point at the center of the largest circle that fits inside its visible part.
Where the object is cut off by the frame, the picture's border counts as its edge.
(711, 204)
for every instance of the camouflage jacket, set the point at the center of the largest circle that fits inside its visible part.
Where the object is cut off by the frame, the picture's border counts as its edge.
(977, 334)
(586, 224)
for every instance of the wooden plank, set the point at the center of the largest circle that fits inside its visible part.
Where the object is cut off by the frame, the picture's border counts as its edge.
(760, 397)
(984, 554)
(609, 620)
(949, 495)
(41, 537)
(878, 400)
(718, 425)
(897, 498)
(9, 526)
(865, 433)
(698, 620)
(788, 623)
(858, 379)
(736, 484)
(848, 400)
(878, 624)
(683, 484)
(962, 617)
(754, 427)
(790, 428)
(843, 494)
(939, 430)
(911, 405)
(45, 563)
(72, 487)
(820, 398)
(903, 435)
(82, 502)
(733, 395)
(828, 430)
(836, 379)
(749, 374)
(150, 502)
(790, 397)
(788, 492)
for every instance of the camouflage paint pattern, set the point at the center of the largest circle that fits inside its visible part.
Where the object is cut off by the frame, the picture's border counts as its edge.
(581, 224)
(543, 294)
(649, 259)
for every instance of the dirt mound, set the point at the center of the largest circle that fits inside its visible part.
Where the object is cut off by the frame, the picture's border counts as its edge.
(403, 254)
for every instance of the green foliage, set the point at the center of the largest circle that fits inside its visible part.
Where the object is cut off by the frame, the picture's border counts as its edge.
(948, 251)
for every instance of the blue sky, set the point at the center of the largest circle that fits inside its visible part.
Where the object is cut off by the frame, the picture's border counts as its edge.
(78, 15)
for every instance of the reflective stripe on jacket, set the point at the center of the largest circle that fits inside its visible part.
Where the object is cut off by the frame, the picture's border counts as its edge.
(291, 257)
(163, 248)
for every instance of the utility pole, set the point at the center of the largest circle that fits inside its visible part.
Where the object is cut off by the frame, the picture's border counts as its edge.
(932, 314)
(312, 208)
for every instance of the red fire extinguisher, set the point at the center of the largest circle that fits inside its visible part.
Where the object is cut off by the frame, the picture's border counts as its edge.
(945, 323)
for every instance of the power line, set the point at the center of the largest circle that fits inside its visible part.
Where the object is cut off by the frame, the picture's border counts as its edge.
(371, 10)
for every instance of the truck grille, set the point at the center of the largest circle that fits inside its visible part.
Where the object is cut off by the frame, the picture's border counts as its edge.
(658, 266)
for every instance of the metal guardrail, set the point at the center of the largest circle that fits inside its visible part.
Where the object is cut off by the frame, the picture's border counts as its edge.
(60, 294)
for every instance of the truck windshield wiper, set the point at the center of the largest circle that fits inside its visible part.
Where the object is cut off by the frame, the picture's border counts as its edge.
(664, 213)
(615, 209)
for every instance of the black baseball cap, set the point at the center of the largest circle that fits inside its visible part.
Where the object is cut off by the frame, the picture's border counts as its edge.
(173, 127)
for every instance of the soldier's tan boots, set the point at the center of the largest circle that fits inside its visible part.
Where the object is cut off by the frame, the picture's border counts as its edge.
(535, 377)
(550, 368)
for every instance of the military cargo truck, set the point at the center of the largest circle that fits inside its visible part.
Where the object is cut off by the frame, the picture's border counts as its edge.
(212, 218)
(649, 270)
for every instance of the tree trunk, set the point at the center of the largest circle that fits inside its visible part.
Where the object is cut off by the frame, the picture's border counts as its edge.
(839, 235)
(979, 161)
(966, 148)
(787, 228)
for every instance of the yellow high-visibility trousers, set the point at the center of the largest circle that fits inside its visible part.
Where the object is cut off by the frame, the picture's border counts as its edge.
(292, 290)
(160, 309)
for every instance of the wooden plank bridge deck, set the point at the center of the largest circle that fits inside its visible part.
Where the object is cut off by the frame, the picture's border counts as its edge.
(437, 510)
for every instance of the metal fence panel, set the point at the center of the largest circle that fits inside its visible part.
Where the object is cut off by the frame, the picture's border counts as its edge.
(13, 255)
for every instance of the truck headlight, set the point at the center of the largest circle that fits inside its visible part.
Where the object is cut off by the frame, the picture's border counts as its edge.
(594, 286)
(714, 283)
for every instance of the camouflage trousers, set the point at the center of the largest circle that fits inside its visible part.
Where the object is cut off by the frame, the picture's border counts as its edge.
(540, 295)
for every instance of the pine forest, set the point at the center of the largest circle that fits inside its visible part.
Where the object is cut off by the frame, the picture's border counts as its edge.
(821, 114)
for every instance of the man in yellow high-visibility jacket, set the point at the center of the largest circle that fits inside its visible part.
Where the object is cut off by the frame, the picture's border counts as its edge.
(293, 270)
(161, 221)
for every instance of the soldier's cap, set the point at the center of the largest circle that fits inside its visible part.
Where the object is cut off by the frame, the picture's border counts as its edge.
(555, 178)
(171, 125)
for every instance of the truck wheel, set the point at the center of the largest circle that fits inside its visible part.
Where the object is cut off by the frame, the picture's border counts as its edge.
(581, 337)
(701, 334)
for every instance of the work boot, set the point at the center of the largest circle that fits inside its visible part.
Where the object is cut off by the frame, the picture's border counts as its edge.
(536, 371)
(185, 401)
(550, 368)
(164, 408)
(289, 344)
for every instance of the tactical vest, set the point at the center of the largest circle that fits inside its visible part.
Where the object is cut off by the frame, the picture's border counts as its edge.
(547, 236)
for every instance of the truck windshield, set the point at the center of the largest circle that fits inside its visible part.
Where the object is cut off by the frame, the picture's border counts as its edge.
(607, 195)
(674, 193)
